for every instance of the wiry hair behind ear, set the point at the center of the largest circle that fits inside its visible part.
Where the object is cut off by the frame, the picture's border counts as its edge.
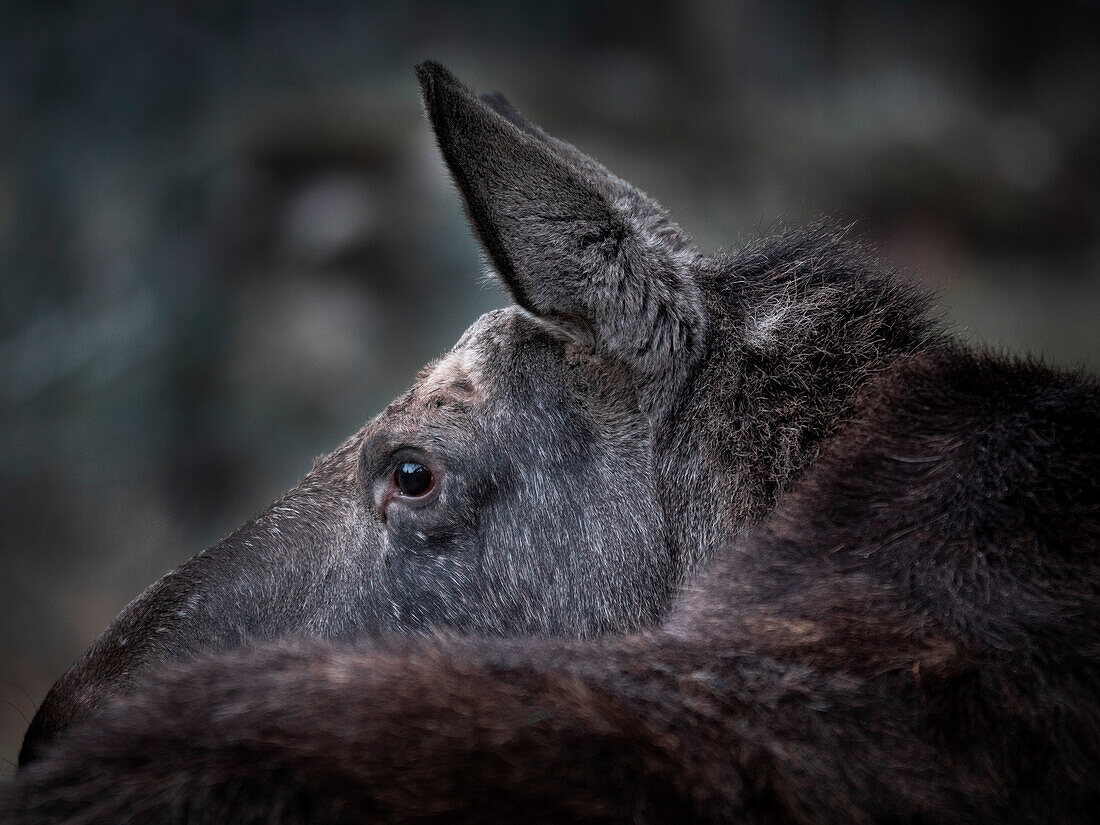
(572, 243)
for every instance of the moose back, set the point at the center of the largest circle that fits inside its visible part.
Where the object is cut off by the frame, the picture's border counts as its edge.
(742, 538)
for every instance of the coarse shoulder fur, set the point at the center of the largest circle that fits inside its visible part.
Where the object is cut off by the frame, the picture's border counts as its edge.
(912, 637)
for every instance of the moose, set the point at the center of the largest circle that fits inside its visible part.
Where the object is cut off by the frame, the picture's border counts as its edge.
(746, 538)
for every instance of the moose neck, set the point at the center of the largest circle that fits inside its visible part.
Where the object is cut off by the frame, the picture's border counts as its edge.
(803, 322)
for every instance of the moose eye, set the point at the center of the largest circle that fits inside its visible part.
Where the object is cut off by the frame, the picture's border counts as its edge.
(412, 479)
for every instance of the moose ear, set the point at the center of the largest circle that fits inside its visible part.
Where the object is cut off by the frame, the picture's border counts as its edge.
(573, 244)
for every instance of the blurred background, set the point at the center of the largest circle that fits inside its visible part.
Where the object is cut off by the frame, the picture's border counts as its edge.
(226, 239)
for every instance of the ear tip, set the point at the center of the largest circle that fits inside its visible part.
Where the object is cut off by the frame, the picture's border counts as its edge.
(433, 78)
(428, 69)
(426, 74)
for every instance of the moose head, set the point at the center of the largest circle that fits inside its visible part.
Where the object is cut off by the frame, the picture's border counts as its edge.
(571, 462)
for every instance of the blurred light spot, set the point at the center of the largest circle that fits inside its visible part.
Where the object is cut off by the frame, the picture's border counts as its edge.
(304, 333)
(329, 215)
(906, 101)
(1026, 152)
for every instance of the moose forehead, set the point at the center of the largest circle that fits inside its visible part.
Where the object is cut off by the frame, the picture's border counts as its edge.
(504, 353)
(454, 379)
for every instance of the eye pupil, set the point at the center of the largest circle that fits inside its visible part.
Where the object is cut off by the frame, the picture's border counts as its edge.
(412, 479)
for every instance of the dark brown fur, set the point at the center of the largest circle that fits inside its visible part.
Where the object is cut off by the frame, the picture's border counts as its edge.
(908, 632)
(910, 638)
